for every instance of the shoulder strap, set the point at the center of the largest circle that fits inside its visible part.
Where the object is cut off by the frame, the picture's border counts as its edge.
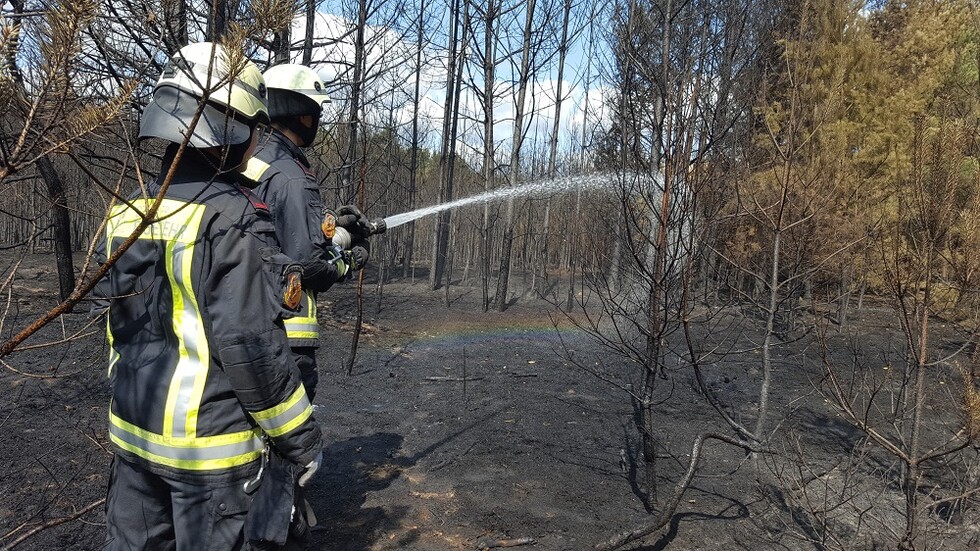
(259, 206)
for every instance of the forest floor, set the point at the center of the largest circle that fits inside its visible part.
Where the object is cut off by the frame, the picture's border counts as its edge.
(464, 429)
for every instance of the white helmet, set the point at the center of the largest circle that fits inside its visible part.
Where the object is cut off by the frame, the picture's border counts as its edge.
(294, 90)
(232, 88)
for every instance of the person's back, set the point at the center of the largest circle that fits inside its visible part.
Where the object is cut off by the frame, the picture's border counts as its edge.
(203, 392)
(191, 293)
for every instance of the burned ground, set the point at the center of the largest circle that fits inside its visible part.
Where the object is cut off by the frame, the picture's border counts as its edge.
(464, 429)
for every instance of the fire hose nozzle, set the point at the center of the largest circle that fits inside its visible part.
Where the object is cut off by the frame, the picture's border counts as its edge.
(342, 238)
(378, 225)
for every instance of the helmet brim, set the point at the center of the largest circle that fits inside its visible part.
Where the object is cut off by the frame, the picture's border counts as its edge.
(170, 112)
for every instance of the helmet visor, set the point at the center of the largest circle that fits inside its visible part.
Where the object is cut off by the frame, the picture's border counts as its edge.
(170, 113)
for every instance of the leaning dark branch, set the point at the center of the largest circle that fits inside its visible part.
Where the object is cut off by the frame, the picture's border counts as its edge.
(744, 432)
(86, 287)
(670, 507)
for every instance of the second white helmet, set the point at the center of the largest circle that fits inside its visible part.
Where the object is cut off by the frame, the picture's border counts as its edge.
(294, 90)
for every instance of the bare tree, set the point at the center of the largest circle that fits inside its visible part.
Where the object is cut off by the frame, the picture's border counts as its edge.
(415, 142)
(489, 16)
(459, 14)
(677, 68)
(567, 35)
(523, 81)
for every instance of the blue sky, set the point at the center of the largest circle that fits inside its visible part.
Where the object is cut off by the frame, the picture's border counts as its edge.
(391, 86)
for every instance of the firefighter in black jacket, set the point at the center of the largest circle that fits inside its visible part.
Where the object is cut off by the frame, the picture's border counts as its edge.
(203, 390)
(283, 179)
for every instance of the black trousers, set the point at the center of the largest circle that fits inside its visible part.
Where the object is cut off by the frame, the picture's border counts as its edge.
(305, 358)
(145, 511)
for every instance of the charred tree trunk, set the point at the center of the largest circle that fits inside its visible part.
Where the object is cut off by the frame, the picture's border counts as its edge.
(55, 187)
(174, 25)
(553, 145)
(281, 45)
(524, 78)
(440, 242)
(308, 36)
(414, 165)
(62, 227)
(348, 186)
(489, 161)
(220, 17)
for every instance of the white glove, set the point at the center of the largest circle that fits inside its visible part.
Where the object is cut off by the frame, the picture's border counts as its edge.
(309, 470)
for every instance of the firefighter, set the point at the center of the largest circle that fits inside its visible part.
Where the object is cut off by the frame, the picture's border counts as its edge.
(282, 178)
(204, 396)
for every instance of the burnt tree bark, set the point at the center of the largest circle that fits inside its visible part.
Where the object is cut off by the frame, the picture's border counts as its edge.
(62, 227)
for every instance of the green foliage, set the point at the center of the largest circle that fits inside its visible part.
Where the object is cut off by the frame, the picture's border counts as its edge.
(877, 111)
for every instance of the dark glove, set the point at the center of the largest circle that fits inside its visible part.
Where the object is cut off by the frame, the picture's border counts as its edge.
(353, 220)
(359, 255)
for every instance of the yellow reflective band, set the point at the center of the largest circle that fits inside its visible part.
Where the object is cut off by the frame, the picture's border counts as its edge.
(190, 373)
(177, 226)
(254, 169)
(207, 453)
(291, 424)
(123, 220)
(113, 355)
(283, 418)
(292, 333)
(304, 327)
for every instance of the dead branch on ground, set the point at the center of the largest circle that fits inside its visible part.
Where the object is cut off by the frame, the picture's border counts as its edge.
(663, 519)
(49, 524)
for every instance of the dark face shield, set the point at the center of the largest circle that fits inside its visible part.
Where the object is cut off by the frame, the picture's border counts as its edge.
(170, 113)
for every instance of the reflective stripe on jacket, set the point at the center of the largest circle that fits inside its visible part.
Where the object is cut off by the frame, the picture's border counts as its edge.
(197, 362)
(303, 326)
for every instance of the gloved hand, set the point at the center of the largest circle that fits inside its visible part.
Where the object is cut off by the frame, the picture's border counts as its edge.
(359, 254)
(353, 220)
(309, 470)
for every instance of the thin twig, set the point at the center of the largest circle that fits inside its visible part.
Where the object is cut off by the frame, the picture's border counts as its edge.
(489, 543)
(52, 523)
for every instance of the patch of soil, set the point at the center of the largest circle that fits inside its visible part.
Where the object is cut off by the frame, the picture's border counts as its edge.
(459, 429)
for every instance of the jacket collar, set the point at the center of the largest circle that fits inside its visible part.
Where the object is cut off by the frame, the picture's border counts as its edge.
(285, 143)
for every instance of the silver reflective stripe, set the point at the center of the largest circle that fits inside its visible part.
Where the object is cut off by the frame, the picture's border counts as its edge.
(287, 415)
(200, 72)
(188, 453)
(311, 92)
(301, 327)
(113, 355)
(193, 362)
(249, 88)
(277, 425)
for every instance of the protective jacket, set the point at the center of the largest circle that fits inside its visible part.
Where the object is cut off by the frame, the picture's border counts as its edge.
(282, 178)
(199, 366)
